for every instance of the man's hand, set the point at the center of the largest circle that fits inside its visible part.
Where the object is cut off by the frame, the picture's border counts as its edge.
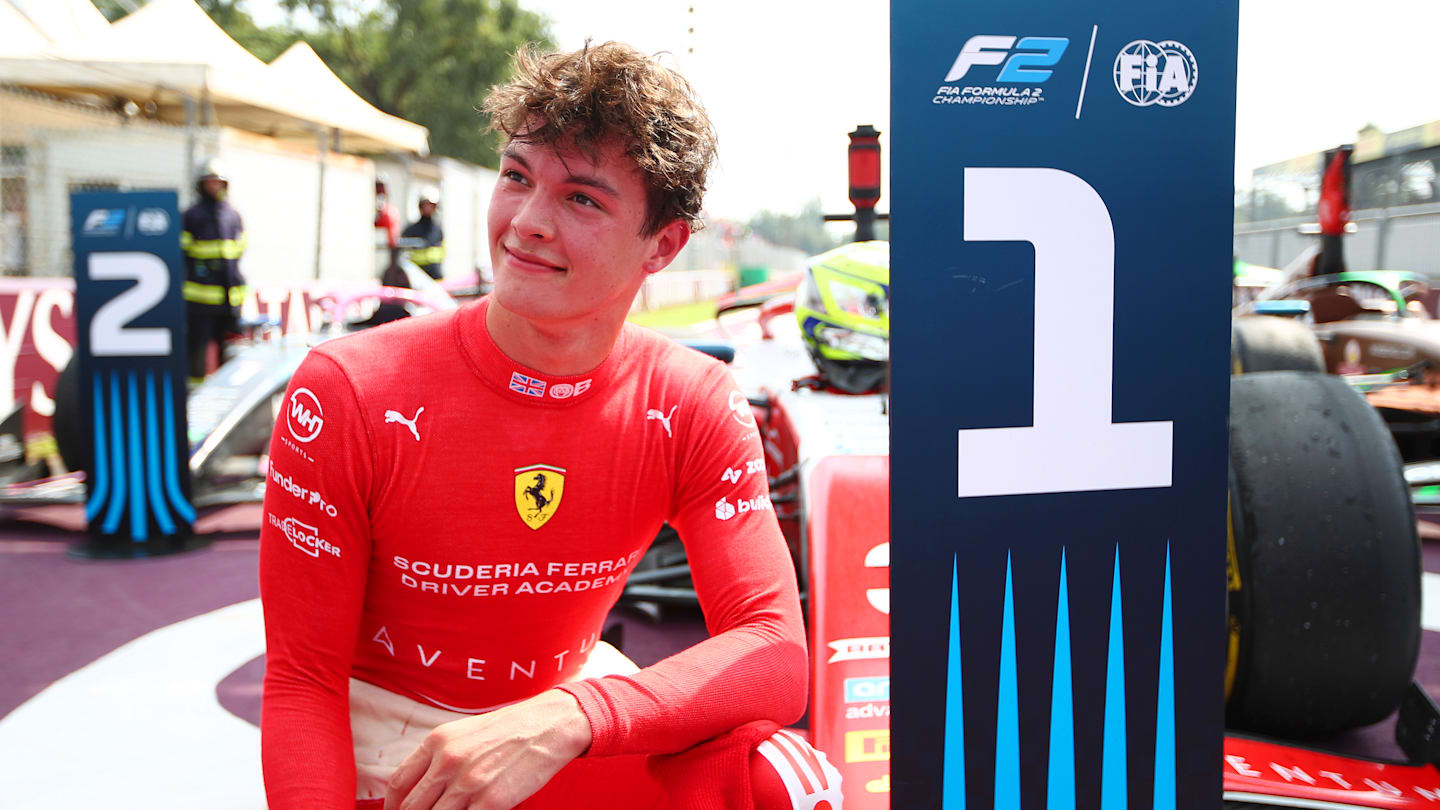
(491, 761)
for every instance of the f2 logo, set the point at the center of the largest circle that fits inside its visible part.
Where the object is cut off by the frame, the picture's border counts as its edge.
(1020, 67)
(1072, 446)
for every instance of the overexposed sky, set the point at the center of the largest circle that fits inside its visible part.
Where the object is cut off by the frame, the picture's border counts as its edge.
(785, 80)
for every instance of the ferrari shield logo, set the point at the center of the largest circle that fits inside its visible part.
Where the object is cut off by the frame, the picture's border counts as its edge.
(538, 489)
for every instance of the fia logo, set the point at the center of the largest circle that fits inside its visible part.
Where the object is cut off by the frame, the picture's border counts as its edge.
(1024, 62)
(1150, 73)
(152, 221)
(306, 414)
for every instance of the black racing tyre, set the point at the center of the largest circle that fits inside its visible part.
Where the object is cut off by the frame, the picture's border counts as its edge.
(1325, 614)
(1269, 343)
(70, 435)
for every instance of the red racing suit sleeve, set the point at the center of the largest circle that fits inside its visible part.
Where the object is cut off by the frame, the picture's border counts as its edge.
(314, 555)
(753, 667)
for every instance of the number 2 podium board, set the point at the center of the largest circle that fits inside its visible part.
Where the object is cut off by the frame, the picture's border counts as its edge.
(1062, 229)
(130, 318)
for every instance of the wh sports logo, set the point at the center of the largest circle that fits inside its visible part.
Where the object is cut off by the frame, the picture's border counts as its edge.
(305, 418)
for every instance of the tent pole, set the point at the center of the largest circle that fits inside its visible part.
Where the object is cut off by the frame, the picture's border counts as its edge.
(189, 169)
(322, 144)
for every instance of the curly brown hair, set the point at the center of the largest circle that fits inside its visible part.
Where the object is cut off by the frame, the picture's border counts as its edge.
(614, 91)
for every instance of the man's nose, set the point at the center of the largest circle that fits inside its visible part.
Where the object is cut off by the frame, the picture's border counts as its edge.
(535, 218)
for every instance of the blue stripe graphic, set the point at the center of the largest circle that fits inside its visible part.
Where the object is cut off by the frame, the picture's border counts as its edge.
(172, 477)
(152, 459)
(139, 522)
(953, 797)
(102, 471)
(1007, 713)
(1061, 792)
(1113, 790)
(1165, 795)
(117, 460)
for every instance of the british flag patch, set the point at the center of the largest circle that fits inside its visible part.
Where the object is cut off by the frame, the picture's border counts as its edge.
(528, 386)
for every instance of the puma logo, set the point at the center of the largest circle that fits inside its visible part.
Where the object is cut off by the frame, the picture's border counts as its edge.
(396, 416)
(664, 418)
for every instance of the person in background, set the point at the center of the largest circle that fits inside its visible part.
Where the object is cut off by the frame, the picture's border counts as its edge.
(387, 223)
(431, 256)
(212, 237)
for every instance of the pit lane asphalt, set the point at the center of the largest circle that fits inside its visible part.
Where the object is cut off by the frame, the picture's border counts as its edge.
(74, 630)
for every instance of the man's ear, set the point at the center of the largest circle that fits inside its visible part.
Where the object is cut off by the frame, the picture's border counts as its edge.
(669, 240)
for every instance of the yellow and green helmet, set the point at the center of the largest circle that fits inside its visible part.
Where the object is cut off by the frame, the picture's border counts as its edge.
(843, 306)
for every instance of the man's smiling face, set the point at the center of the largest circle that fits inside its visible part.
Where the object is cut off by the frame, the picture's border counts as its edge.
(565, 232)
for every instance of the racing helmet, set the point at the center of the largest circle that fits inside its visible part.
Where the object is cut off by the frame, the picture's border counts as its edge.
(212, 168)
(843, 306)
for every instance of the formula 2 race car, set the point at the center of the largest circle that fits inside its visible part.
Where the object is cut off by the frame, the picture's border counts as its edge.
(1321, 526)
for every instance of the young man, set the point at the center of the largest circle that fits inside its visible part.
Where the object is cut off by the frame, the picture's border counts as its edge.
(433, 602)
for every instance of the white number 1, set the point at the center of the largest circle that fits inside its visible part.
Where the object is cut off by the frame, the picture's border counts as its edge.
(1073, 445)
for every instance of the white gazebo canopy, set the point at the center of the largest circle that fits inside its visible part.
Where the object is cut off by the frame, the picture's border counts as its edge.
(17, 33)
(301, 70)
(171, 53)
(56, 20)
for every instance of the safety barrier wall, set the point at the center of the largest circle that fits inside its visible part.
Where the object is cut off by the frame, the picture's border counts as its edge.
(1400, 238)
(37, 325)
(675, 287)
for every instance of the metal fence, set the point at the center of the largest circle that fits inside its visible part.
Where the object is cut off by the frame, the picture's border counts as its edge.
(1404, 237)
(50, 148)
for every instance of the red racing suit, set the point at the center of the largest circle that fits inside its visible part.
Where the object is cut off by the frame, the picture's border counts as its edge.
(453, 527)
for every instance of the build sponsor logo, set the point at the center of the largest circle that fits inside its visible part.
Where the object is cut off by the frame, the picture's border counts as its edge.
(724, 509)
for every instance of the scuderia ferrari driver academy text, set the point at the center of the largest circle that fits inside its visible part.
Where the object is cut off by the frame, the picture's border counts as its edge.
(450, 536)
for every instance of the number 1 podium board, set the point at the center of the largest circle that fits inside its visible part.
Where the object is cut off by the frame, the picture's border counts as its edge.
(1062, 230)
(130, 318)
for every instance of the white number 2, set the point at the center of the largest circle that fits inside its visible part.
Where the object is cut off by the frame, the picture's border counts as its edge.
(1073, 445)
(110, 332)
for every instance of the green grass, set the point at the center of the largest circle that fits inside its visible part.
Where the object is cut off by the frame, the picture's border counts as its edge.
(671, 317)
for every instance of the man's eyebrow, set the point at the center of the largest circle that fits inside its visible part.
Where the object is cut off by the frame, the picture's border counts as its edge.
(593, 182)
(511, 154)
(578, 179)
